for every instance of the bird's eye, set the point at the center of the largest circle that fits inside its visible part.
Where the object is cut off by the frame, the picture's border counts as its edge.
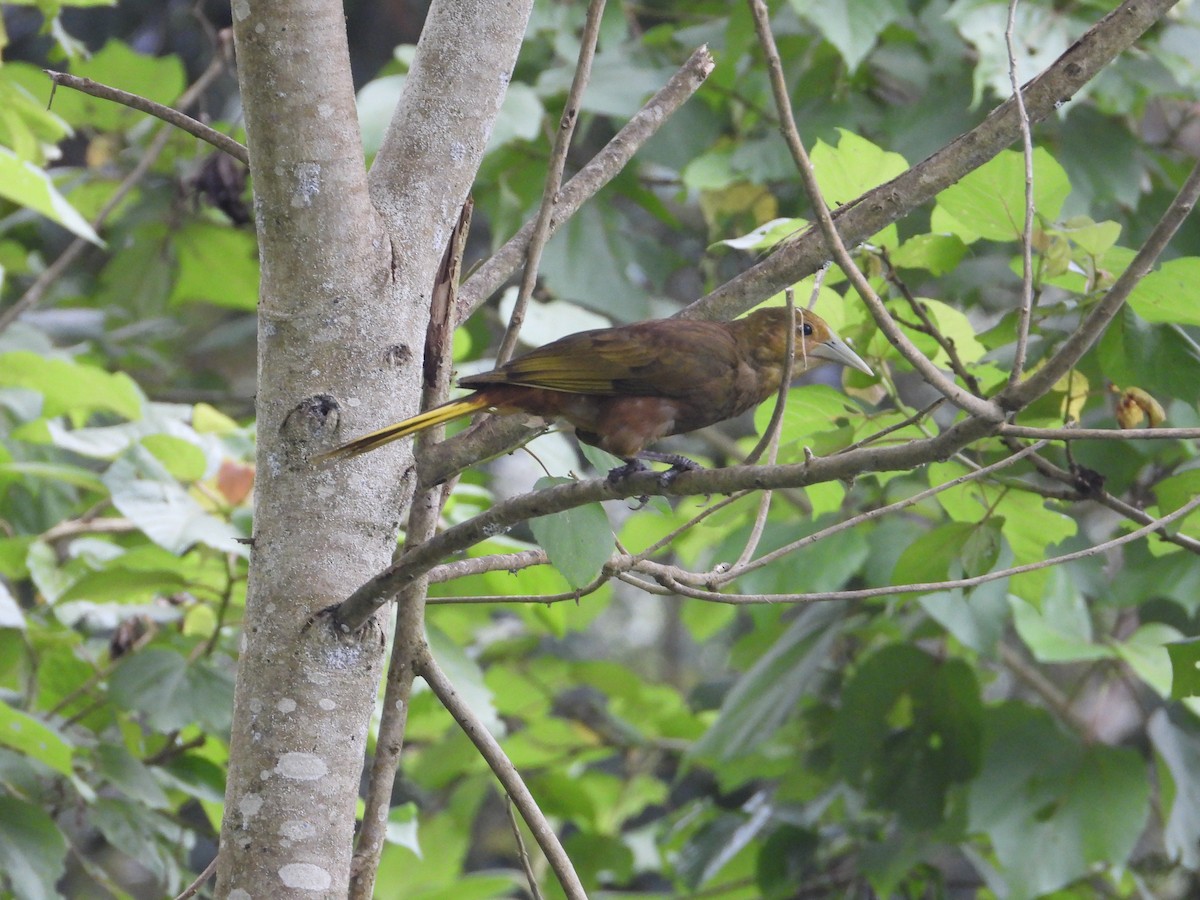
(808, 329)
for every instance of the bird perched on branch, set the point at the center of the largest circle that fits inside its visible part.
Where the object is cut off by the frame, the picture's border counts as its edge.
(626, 387)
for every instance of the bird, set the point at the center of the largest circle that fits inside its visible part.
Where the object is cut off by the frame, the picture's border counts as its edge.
(626, 387)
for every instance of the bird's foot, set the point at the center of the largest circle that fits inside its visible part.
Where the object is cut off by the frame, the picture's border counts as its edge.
(634, 466)
(678, 463)
(631, 467)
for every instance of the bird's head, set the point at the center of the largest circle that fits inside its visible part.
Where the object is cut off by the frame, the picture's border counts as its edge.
(816, 342)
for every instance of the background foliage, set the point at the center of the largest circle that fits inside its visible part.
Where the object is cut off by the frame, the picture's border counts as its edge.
(1017, 739)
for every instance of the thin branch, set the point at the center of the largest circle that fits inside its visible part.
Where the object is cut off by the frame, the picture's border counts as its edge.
(37, 290)
(769, 442)
(958, 396)
(1081, 340)
(1101, 434)
(1025, 310)
(878, 208)
(507, 774)
(666, 574)
(180, 120)
(930, 327)
(1084, 488)
(898, 426)
(1043, 687)
(194, 888)
(526, 862)
(355, 611)
(871, 514)
(591, 178)
(554, 172)
(479, 565)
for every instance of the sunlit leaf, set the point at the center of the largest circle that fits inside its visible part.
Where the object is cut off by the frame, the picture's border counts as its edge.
(26, 185)
(34, 738)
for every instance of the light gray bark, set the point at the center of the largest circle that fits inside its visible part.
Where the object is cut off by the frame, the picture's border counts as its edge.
(347, 266)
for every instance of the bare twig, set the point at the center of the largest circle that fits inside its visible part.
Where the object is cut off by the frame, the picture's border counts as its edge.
(507, 774)
(171, 116)
(743, 567)
(497, 562)
(666, 575)
(769, 442)
(958, 396)
(898, 426)
(194, 888)
(597, 173)
(1101, 434)
(526, 862)
(1025, 310)
(554, 172)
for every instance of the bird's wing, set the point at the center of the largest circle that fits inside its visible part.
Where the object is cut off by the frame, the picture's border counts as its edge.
(663, 358)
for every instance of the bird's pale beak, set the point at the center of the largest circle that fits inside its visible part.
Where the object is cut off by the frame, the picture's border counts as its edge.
(835, 350)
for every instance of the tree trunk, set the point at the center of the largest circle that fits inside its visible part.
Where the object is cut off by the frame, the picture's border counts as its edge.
(347, 266)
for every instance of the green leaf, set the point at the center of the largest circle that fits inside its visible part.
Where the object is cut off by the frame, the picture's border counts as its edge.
(813, 409)
(936, 253)
(579, 541)
(1161, 359)
(1147, 652)
(977, 618)
(955, 325)
(32, 850)
(68, 386)
(520, 117)
(35, 739)
(130, 775)
(908, 730)
(766, 695)
(990, 201)
(132, 829)
(930, 557)
(171, 692)
(1185, 668)
(1052, 806)
(204, 248)
(26, 185)
(1093, 238)
(854, 167)
(852, 26)
(1176, 738)
(1041, 35)
(718, 841)
(179, 456)
(1060, 630)
(60, 473)
(1170, 294)
(767, 235)
(30, 129)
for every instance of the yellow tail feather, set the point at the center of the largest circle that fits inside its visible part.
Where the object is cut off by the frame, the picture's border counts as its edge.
(447, 412)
